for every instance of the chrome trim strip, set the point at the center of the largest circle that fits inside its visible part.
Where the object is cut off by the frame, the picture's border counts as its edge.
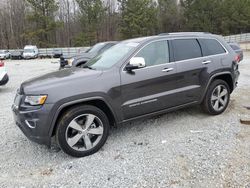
(151, 97)
(30, 126)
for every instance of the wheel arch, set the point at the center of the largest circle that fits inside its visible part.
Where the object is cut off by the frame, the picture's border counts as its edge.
(228, 79)
(225, 76)
(97, 102)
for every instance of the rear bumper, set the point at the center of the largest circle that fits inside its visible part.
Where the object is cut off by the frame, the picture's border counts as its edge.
(236, 78)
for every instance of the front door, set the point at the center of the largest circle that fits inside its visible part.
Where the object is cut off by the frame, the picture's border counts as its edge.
(151, 88)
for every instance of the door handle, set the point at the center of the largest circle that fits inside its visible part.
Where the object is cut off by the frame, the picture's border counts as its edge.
(206, 62)
(167, 69)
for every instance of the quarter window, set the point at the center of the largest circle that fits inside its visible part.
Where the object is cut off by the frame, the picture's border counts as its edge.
(186, 49)
(155, 53)
(211, 47)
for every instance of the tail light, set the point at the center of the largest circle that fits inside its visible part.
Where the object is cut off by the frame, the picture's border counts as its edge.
(237, 59)
(1, 64)
(236, 62)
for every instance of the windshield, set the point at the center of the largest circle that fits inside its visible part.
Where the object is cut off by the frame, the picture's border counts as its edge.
(110, 57)
(96, 48)
(2, 52)
(29, 51)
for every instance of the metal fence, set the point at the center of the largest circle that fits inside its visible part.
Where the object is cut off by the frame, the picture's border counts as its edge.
(49, 52)
(240, 38)
(64, 51)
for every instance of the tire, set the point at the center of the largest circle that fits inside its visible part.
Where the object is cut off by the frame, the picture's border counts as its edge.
(5, 80)
(76, 124)
(216, 100)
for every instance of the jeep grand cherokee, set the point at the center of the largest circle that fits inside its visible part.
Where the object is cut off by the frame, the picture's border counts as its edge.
(134, 79)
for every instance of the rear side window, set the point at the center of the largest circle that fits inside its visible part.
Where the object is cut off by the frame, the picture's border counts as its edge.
(186, 49)
(211, 47)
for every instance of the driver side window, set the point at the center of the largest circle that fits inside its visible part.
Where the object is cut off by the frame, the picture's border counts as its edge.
(155, 53)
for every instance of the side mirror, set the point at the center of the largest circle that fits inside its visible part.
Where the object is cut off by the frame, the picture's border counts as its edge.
(135, 63)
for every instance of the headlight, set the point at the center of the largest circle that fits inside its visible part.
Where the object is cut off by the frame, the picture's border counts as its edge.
(35, 100)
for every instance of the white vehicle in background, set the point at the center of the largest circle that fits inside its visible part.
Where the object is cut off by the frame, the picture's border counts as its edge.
(4, 54)
(4, 78)
(30, 52)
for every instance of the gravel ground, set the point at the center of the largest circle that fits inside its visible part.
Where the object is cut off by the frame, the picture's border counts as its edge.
(186, 148)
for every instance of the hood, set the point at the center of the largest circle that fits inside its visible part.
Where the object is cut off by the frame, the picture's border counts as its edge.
(59, 79)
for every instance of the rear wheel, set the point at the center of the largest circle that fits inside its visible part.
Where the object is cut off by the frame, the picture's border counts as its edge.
(217, 98)
(82, 131)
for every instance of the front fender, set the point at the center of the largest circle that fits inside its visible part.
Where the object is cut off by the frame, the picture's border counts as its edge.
(60, 107)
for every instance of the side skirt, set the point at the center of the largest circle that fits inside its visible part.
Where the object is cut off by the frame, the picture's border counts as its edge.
(160, 112)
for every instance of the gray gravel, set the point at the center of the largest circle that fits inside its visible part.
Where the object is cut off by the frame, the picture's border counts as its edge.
(186, 148)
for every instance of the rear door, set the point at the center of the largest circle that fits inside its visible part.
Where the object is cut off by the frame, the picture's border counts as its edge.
(213, 50)
(149, 89)
(192, 69)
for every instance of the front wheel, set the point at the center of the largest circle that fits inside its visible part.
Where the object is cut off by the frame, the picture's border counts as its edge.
(82, 130)
(217, 98)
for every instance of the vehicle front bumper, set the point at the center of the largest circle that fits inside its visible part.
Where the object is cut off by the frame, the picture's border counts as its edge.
(34, 123)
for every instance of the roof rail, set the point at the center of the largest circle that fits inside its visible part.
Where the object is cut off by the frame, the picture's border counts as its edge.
(180, 33)
(162, 34)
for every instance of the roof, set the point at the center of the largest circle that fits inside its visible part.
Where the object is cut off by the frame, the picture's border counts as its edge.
(168, 35)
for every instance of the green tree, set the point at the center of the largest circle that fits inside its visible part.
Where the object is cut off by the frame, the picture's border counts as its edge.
(91, 14)
(42, 22)
(169, 16)
(217, 16)
(202, 15)
(235, 16)
(138, 18)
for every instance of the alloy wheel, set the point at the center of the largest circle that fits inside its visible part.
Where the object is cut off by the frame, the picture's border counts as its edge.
(84, 132)
(219, 98)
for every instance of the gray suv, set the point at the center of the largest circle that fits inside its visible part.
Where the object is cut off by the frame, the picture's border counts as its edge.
(134, 79)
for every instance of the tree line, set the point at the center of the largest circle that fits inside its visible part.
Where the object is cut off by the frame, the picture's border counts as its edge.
(64, 23)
